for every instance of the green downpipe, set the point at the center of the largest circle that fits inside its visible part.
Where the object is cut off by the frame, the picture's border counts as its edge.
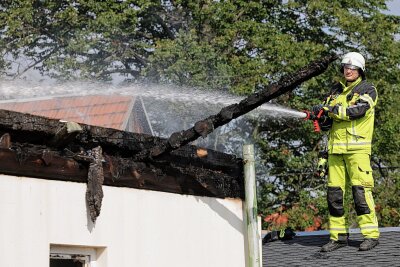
(253, 234)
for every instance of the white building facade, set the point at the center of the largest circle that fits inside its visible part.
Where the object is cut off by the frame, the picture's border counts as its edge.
(43, 219)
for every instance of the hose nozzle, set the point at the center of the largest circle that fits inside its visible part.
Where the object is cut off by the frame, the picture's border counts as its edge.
(314, 117)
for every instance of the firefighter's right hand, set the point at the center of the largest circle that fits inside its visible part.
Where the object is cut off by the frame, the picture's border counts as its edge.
(316, 109)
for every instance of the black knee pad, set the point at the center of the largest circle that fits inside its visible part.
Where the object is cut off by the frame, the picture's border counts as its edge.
(360, 202)
(335, 201)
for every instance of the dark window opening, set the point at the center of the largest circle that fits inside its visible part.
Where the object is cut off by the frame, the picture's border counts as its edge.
(66, 263)
(69, 260)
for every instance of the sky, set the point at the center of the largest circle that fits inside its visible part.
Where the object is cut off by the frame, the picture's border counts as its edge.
(394, 6)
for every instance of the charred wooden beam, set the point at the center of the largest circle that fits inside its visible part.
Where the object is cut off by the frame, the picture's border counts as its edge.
(32, 133)
(5, 141)
(37, 131)
(183, 171)
(65, 134)
(94, 192)
(27, 128)
(206, 126)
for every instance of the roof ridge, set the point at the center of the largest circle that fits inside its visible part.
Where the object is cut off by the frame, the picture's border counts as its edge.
(50, 97)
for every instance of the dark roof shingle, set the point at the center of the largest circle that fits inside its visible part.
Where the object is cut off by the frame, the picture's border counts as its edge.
(303, 250)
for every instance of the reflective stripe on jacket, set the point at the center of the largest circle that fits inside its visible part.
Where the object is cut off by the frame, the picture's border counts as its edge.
(352, 110)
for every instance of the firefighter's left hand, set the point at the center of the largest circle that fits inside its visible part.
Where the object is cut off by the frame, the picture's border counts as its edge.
(322, 165)
(326, 110)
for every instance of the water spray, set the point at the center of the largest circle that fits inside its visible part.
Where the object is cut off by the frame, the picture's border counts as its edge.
(19, 90)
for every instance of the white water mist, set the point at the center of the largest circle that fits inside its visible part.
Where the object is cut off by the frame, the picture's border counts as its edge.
(210, 100)
(170, 109)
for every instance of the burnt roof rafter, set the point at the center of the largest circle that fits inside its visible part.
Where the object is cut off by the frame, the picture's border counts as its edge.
(30, 150)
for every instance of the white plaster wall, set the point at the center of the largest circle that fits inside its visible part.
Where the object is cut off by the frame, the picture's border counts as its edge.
(135, 228)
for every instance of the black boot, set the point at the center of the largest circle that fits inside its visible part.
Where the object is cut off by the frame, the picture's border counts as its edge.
(335, 244)
(369, 243)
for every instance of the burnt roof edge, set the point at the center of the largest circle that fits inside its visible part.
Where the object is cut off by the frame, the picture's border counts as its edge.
(183, 171)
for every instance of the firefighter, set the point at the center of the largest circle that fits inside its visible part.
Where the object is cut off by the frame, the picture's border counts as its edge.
(350, 110)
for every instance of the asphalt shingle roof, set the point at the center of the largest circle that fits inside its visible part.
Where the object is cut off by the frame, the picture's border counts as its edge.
(303, 250)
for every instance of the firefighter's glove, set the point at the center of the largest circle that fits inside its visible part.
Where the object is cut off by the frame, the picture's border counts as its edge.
(322, 166)
(315, 109)
(326, 110)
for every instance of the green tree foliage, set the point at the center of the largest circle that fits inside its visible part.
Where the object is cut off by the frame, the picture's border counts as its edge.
(81, 39)
(238, 46)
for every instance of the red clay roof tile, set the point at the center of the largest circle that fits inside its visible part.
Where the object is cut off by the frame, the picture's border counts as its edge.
(100, 110)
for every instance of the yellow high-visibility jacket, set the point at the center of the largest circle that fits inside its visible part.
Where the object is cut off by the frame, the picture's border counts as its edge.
(352, 110)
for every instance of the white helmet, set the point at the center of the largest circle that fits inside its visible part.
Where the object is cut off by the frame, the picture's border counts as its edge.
(355, 59)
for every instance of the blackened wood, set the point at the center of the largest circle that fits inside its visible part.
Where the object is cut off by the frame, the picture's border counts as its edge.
(182, 171)
(39, 131)
(32, 150)
(65, 134)
(206, 126)
(94, 191)
(5, 141)
(27, 128)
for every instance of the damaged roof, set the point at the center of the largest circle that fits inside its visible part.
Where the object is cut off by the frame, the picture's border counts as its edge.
(40, 147)
(304, 250)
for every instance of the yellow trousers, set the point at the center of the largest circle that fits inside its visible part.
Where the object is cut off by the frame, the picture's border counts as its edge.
(355, 170)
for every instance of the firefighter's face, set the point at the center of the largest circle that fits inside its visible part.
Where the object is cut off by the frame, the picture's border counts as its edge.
(350, 73)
